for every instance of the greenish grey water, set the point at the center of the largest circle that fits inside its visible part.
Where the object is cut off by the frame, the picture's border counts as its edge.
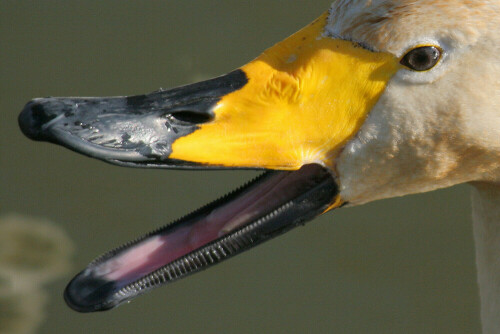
(404, 265)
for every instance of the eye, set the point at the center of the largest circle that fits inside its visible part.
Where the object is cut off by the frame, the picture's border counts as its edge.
(422, 58)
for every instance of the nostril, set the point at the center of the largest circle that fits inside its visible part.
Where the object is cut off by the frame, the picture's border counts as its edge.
(192, 117)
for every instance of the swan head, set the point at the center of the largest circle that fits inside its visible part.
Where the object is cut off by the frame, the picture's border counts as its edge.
(432, 128)
(374, 99)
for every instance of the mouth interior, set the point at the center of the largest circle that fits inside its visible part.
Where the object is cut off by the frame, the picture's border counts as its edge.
(153, 253)
(259, 199)
(268, 206)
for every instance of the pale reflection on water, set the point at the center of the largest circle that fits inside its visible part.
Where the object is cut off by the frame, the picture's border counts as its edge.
(33, 252)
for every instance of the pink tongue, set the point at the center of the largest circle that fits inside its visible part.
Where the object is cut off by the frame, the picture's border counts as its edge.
(159, 250)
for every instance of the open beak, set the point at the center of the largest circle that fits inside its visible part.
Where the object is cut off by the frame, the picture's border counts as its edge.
(291, 110)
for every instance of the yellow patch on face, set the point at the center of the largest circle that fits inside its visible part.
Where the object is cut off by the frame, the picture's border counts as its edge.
(305, 97)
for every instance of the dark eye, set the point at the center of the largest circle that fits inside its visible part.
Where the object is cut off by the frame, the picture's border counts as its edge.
(422, 58)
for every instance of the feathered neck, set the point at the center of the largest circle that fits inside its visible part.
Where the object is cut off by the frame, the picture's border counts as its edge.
(486, 218)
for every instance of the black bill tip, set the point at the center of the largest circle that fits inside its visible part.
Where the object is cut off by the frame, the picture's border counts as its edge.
(87, 293)
(32, 118)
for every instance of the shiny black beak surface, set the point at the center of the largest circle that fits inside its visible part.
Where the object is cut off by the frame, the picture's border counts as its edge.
(130, 131)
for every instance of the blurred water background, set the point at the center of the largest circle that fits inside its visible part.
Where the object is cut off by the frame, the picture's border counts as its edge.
(404, 265)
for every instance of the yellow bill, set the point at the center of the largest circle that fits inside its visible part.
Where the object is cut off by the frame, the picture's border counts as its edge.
(305, 97)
